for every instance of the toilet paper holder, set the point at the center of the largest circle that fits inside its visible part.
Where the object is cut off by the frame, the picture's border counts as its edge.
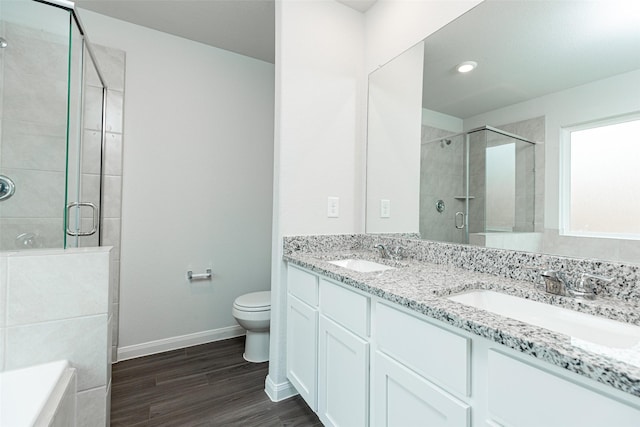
(200, 276)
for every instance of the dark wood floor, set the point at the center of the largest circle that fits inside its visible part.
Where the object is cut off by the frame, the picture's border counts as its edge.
(205, 385)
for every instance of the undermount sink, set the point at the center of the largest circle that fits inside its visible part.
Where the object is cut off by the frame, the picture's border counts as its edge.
(360, 265)
(597, 330)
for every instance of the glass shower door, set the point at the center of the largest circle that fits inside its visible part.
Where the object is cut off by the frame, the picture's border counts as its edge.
(86, 101)
(33, 116)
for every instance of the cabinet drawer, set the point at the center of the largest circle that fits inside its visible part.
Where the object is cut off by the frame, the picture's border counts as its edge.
(348, 308)
(303, 285)
(433, 352)
(518, 391)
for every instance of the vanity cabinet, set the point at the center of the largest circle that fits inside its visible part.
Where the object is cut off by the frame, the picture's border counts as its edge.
(302, 333)
(400, 397)
(359, 360)
(343, 361)
(527, 395)
(420, 372)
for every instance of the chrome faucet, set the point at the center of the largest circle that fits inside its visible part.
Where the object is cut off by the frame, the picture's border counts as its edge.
(555, 282)
(384, 253)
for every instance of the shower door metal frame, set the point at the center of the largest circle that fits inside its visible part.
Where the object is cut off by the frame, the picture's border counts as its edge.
(466, 134)
(70, 6)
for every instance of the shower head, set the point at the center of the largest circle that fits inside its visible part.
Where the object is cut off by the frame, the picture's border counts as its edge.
(3, 43)
(445, 141)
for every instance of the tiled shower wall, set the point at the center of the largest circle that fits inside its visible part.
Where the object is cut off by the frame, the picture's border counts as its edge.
(441, 167)
(33, 150)
(112, 65)
(442, 177)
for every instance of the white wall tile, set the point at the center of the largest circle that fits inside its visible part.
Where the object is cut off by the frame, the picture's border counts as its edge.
(81, 340)
(112, 197)
(92, 405)
(112, 65)
(27, 233)
(2, 348)
(65, 415)
(29, 145)
(3, 290)
(115, 100)
(90, 192)
(114, 280)
(111, 236)
(51, 287)
(91, 151)
(93, 108)
(39, 194)
(115, 317)
(113, 155)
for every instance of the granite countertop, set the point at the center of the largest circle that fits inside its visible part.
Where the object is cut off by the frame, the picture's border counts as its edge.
(423, 287)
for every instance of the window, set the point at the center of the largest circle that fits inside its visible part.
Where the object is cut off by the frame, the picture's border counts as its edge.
(600, 196)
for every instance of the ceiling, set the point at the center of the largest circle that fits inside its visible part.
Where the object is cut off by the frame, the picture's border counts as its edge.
(528, 49)
(246, 27)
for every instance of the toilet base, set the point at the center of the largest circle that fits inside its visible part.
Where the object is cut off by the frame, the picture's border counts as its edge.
(256, 347)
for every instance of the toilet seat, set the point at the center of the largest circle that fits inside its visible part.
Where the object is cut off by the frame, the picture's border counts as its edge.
(254, 301)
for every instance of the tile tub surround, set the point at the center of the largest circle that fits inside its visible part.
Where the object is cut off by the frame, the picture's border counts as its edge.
(54, 305)
(421, 284)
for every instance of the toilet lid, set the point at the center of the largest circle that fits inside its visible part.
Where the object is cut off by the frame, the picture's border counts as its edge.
(255, 301)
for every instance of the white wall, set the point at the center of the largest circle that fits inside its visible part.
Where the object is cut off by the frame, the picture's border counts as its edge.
(197, 176)
(393, 145)
(323, 53)
(392, 26)
(319, 143)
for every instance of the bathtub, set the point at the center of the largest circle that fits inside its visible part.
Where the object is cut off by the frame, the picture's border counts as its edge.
(40, 395)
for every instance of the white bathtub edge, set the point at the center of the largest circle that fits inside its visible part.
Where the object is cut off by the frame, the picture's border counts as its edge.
(60, 408)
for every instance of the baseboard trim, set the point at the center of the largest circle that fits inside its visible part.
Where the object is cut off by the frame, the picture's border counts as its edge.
(173, 343)
(278, 392)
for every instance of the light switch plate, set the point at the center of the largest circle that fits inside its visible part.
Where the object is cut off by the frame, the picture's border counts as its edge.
(333, 207)
(385, 208)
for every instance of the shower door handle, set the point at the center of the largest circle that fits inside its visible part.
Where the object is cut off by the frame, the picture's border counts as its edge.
(94, 226)
(461, 216)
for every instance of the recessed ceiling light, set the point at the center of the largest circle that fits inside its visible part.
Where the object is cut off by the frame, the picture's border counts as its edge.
(466, 66)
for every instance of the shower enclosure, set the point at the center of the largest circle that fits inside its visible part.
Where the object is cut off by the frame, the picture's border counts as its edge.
(474, 183)
(52, 117)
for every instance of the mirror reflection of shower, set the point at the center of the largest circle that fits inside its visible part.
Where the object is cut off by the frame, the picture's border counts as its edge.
(486, 178)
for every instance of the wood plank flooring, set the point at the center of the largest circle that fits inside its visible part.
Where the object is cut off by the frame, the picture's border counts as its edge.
(206, 385)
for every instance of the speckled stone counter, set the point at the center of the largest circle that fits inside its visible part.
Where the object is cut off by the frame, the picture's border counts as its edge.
(423, 286)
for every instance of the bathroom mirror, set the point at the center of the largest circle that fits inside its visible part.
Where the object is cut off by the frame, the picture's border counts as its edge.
(544, 69)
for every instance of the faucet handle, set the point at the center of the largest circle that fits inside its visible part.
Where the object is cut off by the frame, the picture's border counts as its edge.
(595, 277)
(399, 252)
(585, 287)
(587, 281)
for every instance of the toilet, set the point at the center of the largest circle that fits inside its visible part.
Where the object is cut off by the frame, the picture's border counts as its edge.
(253, 312)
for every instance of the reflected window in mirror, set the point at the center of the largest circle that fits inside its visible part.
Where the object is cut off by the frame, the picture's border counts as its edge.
(600, 178)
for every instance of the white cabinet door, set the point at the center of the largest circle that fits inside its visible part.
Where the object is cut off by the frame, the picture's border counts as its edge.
(302, 349)
(402, 398)
(343, 377)
(524, 395)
